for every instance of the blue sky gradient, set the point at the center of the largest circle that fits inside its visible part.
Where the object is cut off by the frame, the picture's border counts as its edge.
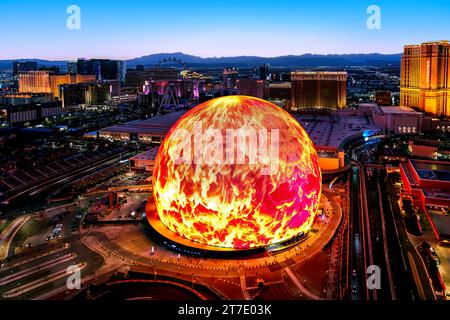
(128, 29)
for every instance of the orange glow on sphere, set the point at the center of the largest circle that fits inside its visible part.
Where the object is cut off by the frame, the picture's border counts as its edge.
(227, 202)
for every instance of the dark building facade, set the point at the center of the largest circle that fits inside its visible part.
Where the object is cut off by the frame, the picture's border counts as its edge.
(23, 66)
(383, 98)
(230, 76)
(73, 94)
(137, 78)
(33, 112)
(72, 67)
(103, 69)
(311, 90)
(250, 87)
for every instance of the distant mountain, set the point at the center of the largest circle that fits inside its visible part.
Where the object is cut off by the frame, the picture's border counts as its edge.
(290, 61)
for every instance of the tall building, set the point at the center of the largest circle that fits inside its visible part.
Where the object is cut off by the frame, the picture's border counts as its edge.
(97, 93)
(425, 82)
(46, 82)
(264, 72)
(88, 92)
(34, 82)
(114, 87)
(72, 67)
(59, 79)
(73, 94)
(83, 66)
(250, 87)
(34, 112)
(103, 69)
(23, 66)
(383, 98)
(121, 71)
(230, 76)
(318, 90)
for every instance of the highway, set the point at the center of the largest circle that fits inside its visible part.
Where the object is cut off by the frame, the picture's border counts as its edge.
(357, 264)
(377, 232)
(366, 228)
(45, 269)
(391, 249)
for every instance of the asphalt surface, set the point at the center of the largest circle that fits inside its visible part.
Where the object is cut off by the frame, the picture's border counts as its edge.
(25, 267)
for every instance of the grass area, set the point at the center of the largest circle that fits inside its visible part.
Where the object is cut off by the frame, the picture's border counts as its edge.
(32, 227)
(5, 224)
(425, 223)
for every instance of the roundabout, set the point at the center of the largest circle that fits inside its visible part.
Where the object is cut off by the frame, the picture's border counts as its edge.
(231, 275)
(132, 244)
(237, 196)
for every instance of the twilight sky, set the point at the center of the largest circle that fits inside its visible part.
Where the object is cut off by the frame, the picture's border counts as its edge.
(128, 29)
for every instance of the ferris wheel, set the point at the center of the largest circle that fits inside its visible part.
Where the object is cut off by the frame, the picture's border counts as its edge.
(172, 61)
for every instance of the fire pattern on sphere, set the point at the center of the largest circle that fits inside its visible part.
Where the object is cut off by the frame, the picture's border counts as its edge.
(234, 205)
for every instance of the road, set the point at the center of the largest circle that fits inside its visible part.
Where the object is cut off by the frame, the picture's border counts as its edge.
(357, 266)
(45, 269)
(411, 263)
(366, 228)
(377, 234)
(403, 271)
(230, 276)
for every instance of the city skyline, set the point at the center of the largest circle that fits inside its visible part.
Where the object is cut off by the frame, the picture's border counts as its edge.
(217, 30)
(202, 153)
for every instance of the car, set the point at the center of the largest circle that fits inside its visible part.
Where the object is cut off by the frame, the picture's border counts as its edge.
(435, 256)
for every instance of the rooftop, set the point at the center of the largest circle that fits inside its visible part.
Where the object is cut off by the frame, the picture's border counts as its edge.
(158, 125)
(441, 221)
(398, 110)
(148, 155)
(432, 170)
(333, 130)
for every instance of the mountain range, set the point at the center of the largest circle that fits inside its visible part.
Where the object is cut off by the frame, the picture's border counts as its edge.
(288, 61)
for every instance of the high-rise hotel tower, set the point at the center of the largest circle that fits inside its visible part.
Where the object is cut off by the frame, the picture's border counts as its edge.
(425, 82)
(316, 90)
